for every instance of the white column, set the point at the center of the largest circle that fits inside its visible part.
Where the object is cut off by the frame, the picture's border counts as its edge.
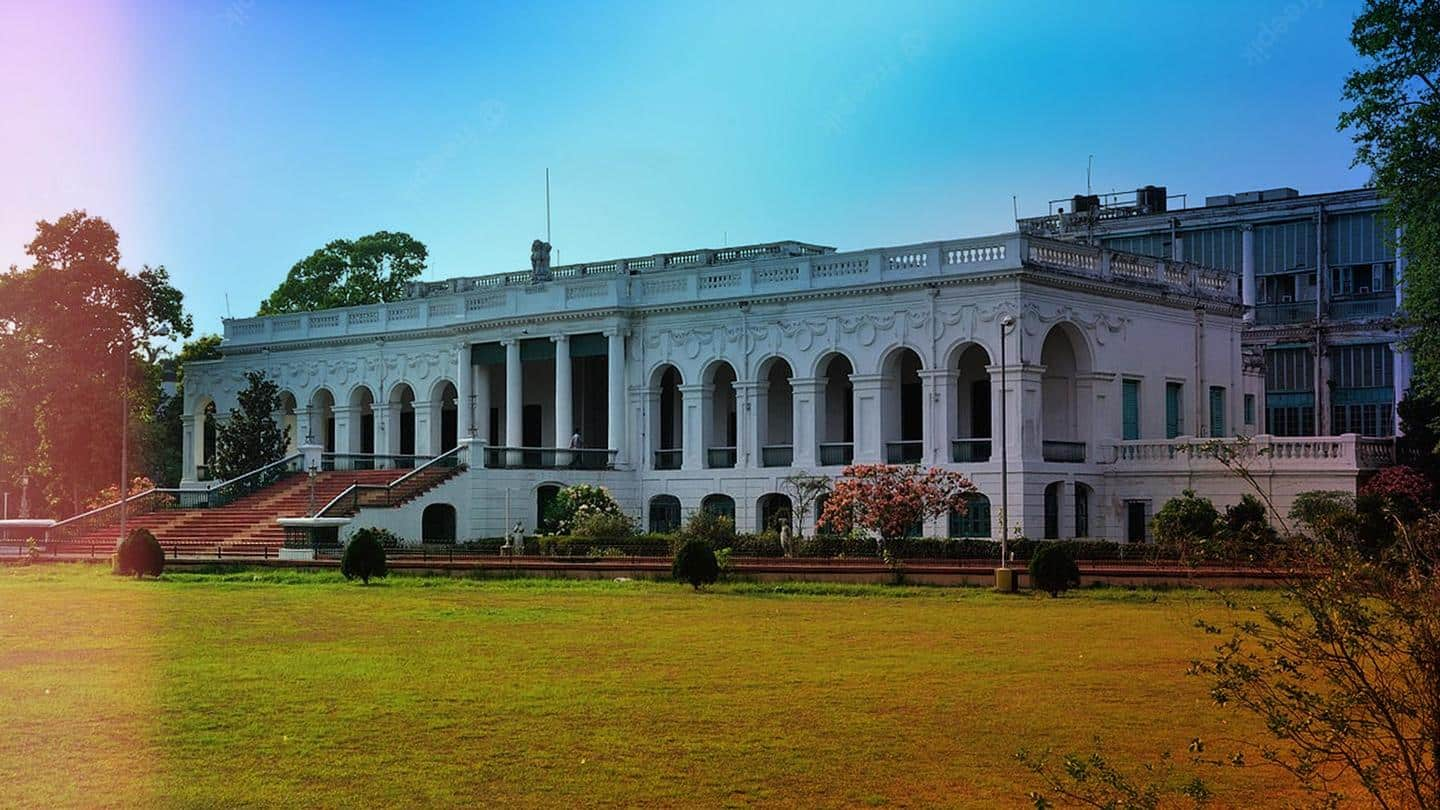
(514, 401)
(464, 392)
(1247, 270)
(869, 432)
(935, 414)
(808, 404)
(615, 405)
(693, 441)
(481, 409)
(425, 443)
(344, 414)
(564, 414)
(187, 449)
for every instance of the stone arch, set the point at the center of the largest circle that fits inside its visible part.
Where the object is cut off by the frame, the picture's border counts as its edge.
(203, 446)
(719, 414)
(835, 409)
(437, 523)
(288, 421)
(902, 405)
(322, 418)
(972, 409)
(361, 402)
(775, 411)
(664, 514)
(545, 495)
(718, 503)
(1053, 491)
(774, 511)
(1065, 356)
(443, 416)
(1084, 500)
(667, 425)
(401, 405)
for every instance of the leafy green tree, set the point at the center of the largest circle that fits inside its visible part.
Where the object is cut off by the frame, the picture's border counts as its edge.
(167, 440)
(1394, 116)
(344, 273)
(250, 438)
(74, 328)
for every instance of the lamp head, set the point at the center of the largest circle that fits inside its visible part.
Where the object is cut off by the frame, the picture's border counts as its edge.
(1007, 321)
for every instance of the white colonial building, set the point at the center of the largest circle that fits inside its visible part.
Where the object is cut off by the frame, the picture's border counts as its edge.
(703, 379)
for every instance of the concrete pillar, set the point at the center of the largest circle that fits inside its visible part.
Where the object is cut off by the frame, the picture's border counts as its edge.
(387, 428)
(615, 413)
(424, 446)
(187, 448)
(807, 398)
(564, 409)
(480, 416)
(305, 428)
(1247, 270)
(514, 401)
(464, 393)
(750, 423)
(935, 385)
(692, 409)
(869, 435)
(344, 415)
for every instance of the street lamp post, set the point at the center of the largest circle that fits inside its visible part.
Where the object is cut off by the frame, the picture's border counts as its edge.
(163, 331)
(1004, 581)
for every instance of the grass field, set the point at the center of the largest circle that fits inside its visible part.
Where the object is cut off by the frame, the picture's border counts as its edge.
(302, 690)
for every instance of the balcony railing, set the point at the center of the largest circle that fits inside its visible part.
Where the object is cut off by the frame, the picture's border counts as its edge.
(1361, 307)
(1297, 312)
(720, 457)
(1063, 452)
(548, 458)
(777, 455)
(836, 454)
(1259, 454)
(669, 459)
(969, 451)
(371, 461)
(904, 452)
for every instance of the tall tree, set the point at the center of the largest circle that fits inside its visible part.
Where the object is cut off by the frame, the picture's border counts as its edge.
(74, 328)
(250, 439)
(1394, 116)
(344, 273)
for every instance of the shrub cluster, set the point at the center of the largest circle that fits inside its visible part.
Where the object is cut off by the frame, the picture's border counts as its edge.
(640, 545)
(695, 563)
(139, 554)
(1190, 529)
(365, 555)
(1053, 570)
(574, 504)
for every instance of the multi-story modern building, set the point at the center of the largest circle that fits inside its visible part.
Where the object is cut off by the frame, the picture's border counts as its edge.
(1320, 276)
(704, 379)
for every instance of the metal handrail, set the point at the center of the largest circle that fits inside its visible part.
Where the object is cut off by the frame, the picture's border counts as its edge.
(354, 488)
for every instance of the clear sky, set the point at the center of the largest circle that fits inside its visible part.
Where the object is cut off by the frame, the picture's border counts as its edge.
(226, 139)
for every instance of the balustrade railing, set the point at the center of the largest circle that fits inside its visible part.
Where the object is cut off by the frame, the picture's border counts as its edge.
(836, 454)
(669, 458)
(371, 461)
(1345, 452)
(777, 455)
(549, 458)
(904, 452)
(720, 457)
(969, 451)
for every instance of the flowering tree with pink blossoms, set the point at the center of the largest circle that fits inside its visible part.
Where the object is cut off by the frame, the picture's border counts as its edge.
(889, 499)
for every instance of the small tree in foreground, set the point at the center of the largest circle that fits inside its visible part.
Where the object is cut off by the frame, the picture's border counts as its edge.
(695, 563)
(1053, 570)
(140, 554)
(364, 556)
(891, 499)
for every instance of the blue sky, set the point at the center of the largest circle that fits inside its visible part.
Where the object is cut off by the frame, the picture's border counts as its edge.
(227, 139)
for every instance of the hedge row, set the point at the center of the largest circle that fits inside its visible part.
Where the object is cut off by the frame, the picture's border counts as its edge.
(768, 545)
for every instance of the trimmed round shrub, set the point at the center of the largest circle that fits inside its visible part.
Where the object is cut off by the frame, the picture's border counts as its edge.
(364, 556)
(695, 563)
(140, 555)
(1053, 570)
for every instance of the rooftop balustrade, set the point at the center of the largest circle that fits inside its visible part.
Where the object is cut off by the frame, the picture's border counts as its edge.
(733, 273)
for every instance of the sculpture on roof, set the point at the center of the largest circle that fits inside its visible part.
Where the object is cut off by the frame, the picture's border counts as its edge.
(539, 261)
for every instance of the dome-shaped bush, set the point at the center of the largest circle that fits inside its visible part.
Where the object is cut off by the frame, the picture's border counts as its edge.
(364, 556)
(695, 563)
(1053, 570)
(140, 555)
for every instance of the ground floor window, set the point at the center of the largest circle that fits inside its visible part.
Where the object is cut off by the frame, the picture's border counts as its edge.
(722, 505)
(437, 523)
(973, 520)
(1137, 514)
(1369, 419)
(1290, 420)
(664, 514)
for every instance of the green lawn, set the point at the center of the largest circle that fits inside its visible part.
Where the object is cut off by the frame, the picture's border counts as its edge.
(305, 690)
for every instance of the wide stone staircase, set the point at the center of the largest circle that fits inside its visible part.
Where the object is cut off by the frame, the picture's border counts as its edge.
(247, 527)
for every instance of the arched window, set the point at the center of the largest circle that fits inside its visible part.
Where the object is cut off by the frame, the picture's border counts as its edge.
(836, 420)
(902, 408)
(973, 520)
(437, 524)
(544, 496)
(1082, 510)
(664, 514)
(666, 426)
(774, 510)
(717, 504)
(1052, 511)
